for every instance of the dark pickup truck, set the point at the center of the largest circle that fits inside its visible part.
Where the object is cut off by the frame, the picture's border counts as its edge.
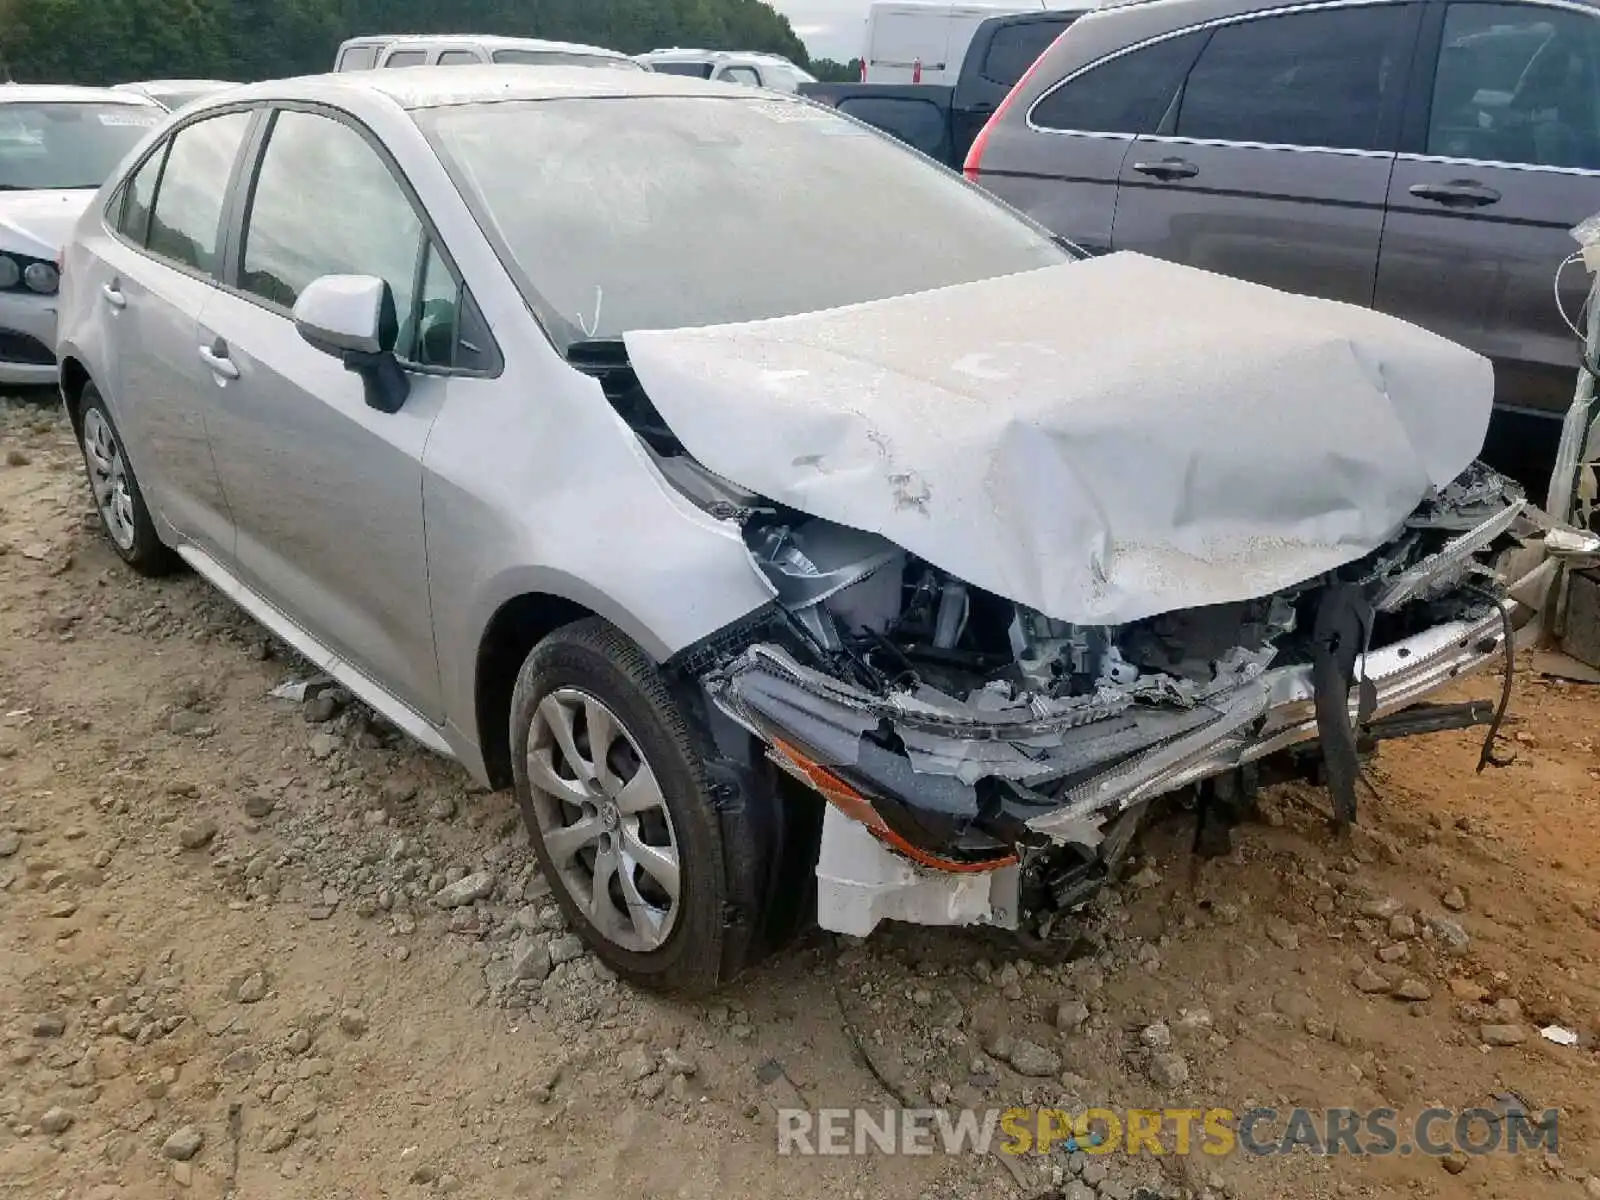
(940, 120)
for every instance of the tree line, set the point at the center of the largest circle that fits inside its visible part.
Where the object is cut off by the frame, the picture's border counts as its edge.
(112, 41)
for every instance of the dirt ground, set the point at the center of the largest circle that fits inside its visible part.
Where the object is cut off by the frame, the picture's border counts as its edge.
(225, 967)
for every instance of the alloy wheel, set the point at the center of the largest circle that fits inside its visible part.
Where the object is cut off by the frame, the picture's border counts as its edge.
(603, 820)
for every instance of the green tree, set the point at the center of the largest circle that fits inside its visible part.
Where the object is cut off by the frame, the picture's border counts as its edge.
(831, 70)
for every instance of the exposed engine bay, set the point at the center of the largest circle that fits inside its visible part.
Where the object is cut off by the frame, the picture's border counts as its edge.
(985, 763)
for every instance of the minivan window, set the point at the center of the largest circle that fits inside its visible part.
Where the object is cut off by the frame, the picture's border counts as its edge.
(1324, 79)
(67, 145)
(458, 58)
(407, 58)
(1017, 46)
(186, 223)
(359, 58)
(325, 203)
(695, 70)
(1127, 94)
(741, 75)
(718, 192)
(1518, 84)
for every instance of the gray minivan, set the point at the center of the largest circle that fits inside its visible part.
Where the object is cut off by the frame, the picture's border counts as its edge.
(1424, 157)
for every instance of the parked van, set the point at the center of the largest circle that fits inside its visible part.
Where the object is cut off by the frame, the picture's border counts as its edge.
(918, 42)
(455, 50)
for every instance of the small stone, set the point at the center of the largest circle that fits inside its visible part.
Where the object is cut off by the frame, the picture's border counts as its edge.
(1503, 1035)
(1402, 926)
(63, 908)
(323, 746)
(353, 1022)
(530, 959)
(566, 948)
(55, 1120)
(1450, 933)
(184, 722)
(1370, 982)
(10, 842)
(1412, 989)
(1282, 934)
(1071, 1015)
(1468, 992)
(1168, 1069)
(278, 1139)
(1509, 1011)
(1454, 1163)
(675, 1062)
(183, 1143)
(1078, 1190)
(196, 835)
(258, 806)
(1157, 1036)
(1032, 1059)
(467, 890)
(636, 1064)
(442, 809)
(17, 457)
(299, 1041)
(1456, 901)
(252, 988)
(1382, 909)
(1591, 1187)
(320, 708)
(1393, 954)
(49, 1025)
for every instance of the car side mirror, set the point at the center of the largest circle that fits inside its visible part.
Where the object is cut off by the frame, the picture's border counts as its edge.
(352, 317)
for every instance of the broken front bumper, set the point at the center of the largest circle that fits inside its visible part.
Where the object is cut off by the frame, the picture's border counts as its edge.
(870, 870)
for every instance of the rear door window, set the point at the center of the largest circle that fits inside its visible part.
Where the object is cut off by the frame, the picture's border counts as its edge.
(742, 75)
(1127, 94)
(1330, 79)
(1518, 84)
(134, 220)
(1017, 47)
(458, 58)
(359, 58)
(186, 221)
(407, 58)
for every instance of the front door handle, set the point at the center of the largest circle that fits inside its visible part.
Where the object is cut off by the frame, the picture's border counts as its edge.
(216, 357)
(1168, 169)
(113, 294)
(1458, 193)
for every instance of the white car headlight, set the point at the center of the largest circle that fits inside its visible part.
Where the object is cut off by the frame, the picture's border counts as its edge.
(9, 271)
(41, 277)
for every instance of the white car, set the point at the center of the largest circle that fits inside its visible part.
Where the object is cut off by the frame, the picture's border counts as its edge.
(173, 94)
(748, 67)
(471, 50)
(57, 145)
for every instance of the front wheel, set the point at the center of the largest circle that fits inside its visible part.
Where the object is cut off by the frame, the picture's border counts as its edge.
(614, 793)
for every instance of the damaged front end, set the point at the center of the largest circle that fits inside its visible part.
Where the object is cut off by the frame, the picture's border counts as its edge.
(985, 764)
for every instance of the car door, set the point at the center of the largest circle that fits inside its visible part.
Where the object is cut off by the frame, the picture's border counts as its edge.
(326, 492)
(160, 269)
(1060, 161)
(1273, 164)
(1502, 159)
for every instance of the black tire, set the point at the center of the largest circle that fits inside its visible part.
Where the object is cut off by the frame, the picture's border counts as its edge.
(140, 547)
(594, 658)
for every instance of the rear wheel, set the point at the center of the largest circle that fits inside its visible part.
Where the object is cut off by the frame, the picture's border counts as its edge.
(117, 497)
(613, 789)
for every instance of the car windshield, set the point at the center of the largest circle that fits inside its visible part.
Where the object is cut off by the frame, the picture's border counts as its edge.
(662, 212)
(67, 145)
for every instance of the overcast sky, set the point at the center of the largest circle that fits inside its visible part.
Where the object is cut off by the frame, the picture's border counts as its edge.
(829, 28)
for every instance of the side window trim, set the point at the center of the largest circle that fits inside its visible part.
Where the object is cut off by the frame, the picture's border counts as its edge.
(1419, 99)
(163, 148)
(242, 200)
(1164, 128)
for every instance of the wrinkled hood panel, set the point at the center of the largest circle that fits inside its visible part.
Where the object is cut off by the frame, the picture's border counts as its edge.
(1101, 441)
(39, 223)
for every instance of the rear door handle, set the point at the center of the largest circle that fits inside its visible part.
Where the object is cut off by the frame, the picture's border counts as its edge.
(113, 294)
(1458, 193)
(216, 357)
(1168, 169)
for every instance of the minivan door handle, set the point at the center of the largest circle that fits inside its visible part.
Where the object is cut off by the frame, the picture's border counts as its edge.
(1458, 193)
(113, 293)
(216, 357)
(1168, 169)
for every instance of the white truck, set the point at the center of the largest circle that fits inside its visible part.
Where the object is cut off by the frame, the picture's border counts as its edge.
(921, 41)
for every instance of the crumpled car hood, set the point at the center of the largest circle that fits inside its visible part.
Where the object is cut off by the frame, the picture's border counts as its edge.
(1100, 441)
(39, 223)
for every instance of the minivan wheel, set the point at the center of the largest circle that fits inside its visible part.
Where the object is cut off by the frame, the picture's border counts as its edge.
(614, 793)
(117, 497)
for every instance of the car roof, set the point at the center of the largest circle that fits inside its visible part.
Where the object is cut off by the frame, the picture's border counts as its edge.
(492, 41)
(690, 55)
(58, 93)
(433, 87)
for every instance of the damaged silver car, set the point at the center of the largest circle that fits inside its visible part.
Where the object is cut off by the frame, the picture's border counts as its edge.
(798, 530)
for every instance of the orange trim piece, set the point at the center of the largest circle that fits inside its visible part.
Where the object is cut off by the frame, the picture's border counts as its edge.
(858, 808)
